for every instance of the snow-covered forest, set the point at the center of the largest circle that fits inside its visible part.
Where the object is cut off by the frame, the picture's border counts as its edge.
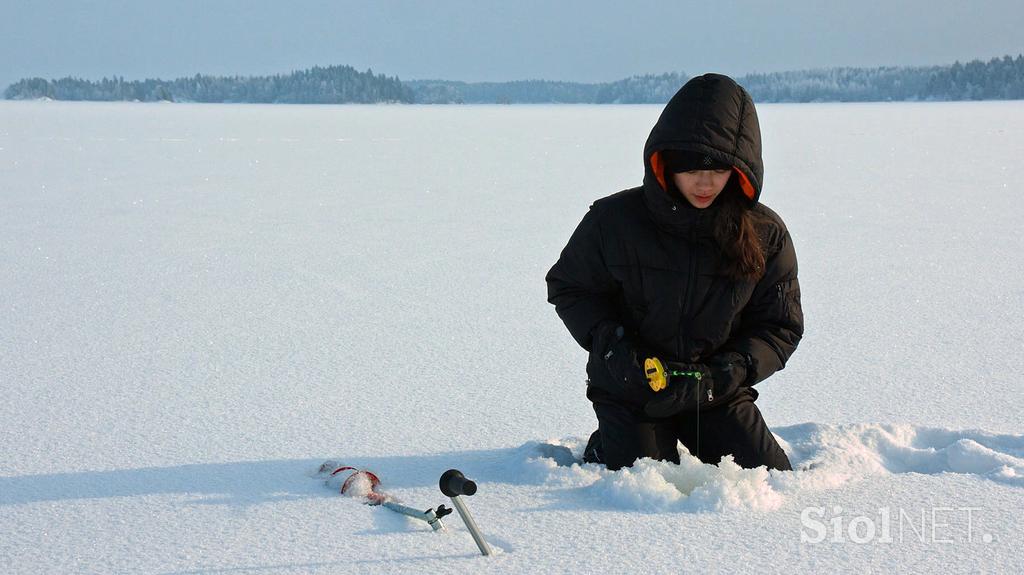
(996, 79)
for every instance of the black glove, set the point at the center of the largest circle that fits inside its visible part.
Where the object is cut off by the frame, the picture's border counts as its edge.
(615, 365)
(719, 378)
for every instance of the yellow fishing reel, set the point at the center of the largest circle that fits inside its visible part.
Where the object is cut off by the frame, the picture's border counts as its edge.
(656, 376)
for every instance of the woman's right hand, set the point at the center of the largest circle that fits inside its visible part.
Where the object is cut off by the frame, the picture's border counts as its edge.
(616, 366)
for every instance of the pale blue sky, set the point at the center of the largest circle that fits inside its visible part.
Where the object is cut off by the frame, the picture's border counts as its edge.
(509, 40)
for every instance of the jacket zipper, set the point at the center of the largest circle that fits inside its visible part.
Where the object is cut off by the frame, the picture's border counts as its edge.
(684, 305)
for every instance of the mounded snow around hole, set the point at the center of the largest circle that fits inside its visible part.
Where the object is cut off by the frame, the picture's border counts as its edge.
(823, 457)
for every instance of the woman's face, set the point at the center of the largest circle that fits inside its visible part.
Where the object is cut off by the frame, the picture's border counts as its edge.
(701, 187)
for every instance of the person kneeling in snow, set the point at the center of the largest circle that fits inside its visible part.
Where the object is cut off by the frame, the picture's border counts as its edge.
(688, 268)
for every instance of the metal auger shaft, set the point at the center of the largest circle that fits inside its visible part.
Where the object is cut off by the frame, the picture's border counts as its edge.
(454, 484)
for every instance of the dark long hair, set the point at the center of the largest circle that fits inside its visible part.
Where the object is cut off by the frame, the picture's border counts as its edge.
(736, 233)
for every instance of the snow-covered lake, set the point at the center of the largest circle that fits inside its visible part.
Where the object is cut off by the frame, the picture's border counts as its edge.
(201, 303)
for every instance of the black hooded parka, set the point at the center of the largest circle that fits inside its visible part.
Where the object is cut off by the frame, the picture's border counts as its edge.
(646, 259)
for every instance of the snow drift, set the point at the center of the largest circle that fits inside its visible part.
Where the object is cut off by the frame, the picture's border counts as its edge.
(823, 457)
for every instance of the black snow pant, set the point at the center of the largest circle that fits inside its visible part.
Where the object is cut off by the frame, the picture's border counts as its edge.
(735, 428)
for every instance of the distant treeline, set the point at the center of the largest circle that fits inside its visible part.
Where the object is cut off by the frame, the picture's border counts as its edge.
(330, 85)
(635, 90)
(997, 79)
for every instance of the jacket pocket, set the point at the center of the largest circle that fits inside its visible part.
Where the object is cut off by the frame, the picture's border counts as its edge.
(788, 296)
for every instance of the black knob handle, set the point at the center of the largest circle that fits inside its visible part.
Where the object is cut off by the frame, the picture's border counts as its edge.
(453, 483)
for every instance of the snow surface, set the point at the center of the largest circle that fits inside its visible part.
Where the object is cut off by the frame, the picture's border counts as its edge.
(199, 304)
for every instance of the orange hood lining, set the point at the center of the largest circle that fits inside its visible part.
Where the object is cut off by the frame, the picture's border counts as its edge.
(659, 172)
